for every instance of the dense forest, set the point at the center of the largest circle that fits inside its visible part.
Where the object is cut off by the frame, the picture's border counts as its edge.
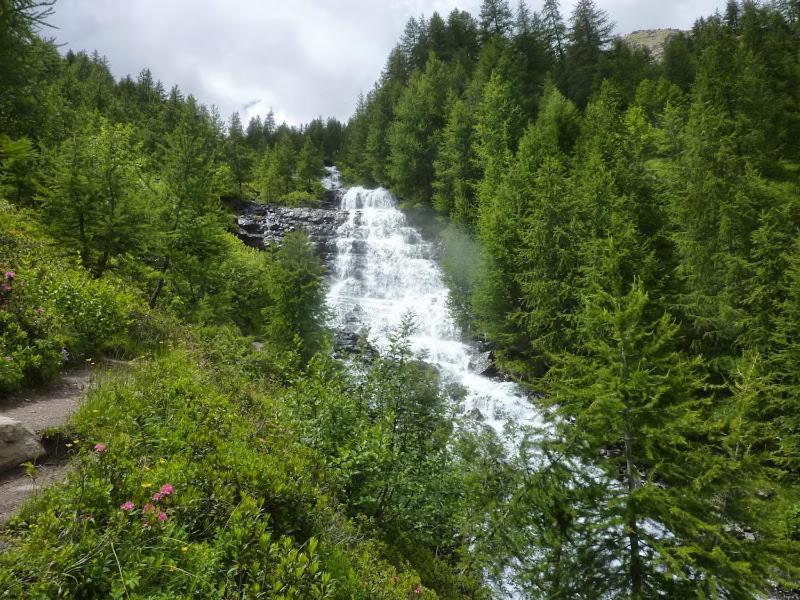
(622, 229)
(625, 232)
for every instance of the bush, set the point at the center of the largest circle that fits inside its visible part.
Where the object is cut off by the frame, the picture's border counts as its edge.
(301, 198)
(180, 490)
(50, 308)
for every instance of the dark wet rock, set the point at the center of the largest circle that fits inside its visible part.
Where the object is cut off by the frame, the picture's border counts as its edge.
(265, 225)
(348, 343)
(482, 362)
(475, 415)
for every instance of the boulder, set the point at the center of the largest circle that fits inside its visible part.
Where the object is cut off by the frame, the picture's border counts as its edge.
(483, 364)
(18, 444)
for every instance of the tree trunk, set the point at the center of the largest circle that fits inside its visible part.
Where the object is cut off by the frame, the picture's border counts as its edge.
(101, 265)
(634, 557)
(160, 284)
(84, 243)
(635, 561)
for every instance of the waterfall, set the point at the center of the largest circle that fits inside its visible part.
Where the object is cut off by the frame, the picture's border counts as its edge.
(383, 268)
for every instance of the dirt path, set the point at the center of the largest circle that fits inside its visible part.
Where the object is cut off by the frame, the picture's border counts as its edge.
(40, 409)
(49, 406)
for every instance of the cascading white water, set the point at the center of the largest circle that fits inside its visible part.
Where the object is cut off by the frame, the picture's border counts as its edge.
(384, 269)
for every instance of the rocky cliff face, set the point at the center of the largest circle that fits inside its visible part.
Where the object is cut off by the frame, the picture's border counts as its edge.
(264, 225)
(653, 40)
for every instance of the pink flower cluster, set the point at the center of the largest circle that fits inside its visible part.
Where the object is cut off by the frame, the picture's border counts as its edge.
(100, 448)
(166, 490)
(149, 510)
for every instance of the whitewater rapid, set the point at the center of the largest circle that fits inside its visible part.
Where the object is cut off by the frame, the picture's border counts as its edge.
(383, 270)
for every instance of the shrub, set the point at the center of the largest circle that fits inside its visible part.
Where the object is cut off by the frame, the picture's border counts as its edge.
(180, 490)
(50, 308)
(301, 198)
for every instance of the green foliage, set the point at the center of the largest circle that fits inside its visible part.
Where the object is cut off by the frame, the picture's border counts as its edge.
(93, 201)
(18, 168)
(303, 198)
(295, 318)
(579, 172)
(273, 173)
(309, 168)
(455, 167)
(418, 114)
(495, 18)
(237, 155)
(387, 433)
(51, 310)
(589, 30)
(626, 237)
(460, 262)
(246, 509)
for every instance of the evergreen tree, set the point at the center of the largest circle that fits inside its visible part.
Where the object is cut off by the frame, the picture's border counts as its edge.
(497, 128)
(309, 167)
(418, 115)
(678, 63)
(93, 201)
(632, 407)
(547, 253)
(498, 122)
(786, 369)
(590, 29)
(378, 122)
(455, 167)
(523, 24)
(462, 39)
(437, 37)
(273, 174)
(295, 316)
(413, 44)
(553, 28)
(237, 154)
(496, 18)
(19, 171)
(24, 59)
(193, 236)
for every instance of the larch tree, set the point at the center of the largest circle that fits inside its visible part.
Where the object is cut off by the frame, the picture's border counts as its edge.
(496, 18)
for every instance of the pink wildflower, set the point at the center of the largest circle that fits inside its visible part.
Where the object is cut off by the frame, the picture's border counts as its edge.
(417, 590)
(10, 274)
(5, 287)
(158, 497)
(148, 508)
(127, 506)
(162, 516)
(100, 448)
(167, 489)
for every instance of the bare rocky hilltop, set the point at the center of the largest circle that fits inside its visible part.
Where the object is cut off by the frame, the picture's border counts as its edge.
(653, 40)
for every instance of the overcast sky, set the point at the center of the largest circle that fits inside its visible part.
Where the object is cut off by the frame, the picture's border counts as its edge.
(303, 58)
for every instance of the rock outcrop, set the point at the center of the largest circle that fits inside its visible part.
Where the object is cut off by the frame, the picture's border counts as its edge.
(265, 225)
(18, 444)
(652, 40)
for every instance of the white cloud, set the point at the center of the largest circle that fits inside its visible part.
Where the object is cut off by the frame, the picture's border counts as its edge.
(303, 58)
